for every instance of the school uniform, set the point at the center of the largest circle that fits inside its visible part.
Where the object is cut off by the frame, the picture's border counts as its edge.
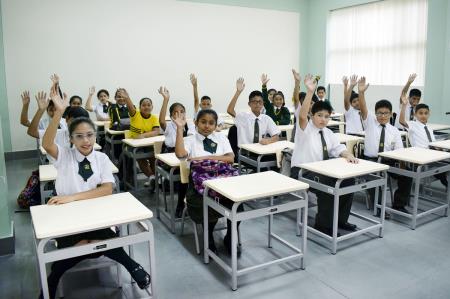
(220, 120)
(79, 173)
(119, 120)
(101, 110)
(281, 116)
(252, 128)
(170, 134)
(353, 121)
(45, 121)
(140, 124)
(385, 138)
(62, 139)
(409, 115)
(313, 144)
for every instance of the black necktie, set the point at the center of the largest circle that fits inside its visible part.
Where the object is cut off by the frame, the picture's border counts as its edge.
(185, 131)
(209, 145)
(256, 132)
(428, 134)
(360, 118)
(381, 144)
(324, 146)
(105, 108)
(84, 169)
(411, 113)
(277, 110)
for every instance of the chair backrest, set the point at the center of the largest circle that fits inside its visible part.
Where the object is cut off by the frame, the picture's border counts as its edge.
(157, 147)
(232, 137)
(393, 118)
(184, 171)
(127, 134)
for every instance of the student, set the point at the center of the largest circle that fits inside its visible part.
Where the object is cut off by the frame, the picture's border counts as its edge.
(297, 98)
(143, 124)
(381, 136)
(24, 121)
(413, 100)
(270, 93)
(87, 174)
(252, 127)
(205, 144)
(75, 101)
(101, 108)
(418, 132)
(275, 108)
(352, 114)
(315, 142)
(119, 121)
(176, 110)
(204, 103)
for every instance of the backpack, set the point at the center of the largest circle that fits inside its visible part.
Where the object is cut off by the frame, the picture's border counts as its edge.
(31, 194)
(207, 170)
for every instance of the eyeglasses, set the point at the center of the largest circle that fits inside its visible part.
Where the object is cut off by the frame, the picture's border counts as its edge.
(81, 137)
(258, 102)
(383, 113)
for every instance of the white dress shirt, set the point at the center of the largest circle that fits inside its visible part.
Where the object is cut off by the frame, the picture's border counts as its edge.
(194, 145)
(245, 124)
(392, 137)
(417, 134)
(171, 132)
(353, 121)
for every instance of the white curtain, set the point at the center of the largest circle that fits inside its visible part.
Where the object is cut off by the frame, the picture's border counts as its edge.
(385, 41)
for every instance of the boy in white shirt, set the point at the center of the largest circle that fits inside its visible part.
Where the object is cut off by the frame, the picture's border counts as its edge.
(352, 114)
(315, 142)
(413, 100)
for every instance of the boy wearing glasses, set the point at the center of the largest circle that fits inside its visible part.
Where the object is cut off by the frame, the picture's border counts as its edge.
(381, 136)
(252, 127)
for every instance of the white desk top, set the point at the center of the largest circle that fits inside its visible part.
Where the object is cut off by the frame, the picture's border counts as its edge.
(256, 185)
(363, 133)
(169, 159)
(97, 147)
(443, 144)
(438, 127)
(416, 155)
(339, 168)
(332, 123)
(272, 148)
(285, 127)
(144, 141)
(344, 138)
(51, 221)
(229, 121)
(113, 132)
(336, 115)
(102, 123)
(48, 173)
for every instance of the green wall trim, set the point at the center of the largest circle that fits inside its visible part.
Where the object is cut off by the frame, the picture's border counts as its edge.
(4, 111)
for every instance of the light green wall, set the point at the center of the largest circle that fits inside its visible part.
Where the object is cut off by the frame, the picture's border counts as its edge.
(3, 97)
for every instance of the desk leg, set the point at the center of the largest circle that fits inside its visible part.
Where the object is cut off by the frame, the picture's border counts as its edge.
(335, 218)
(448, 196)
(239, 161)
(158, 213)
(234, 247)
(172, 198)
(41, 186)
(304, 229)
(134, 168)
(42, 269)
(111, 151)
(205, 226)
(258, 162)
(269, 235)
(151, 245)
(383, 204)
(416, 197)
(124, 167)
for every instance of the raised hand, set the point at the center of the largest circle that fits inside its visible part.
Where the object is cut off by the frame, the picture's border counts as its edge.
(411, 78)
(179, 119)
(240, 85)
(42, 100)
(60, 104)
(123, 93)
(193, 79)
(264, 79)
(345, 80)
(362, 86)
(353, 80)
(164, 92)
(296, 76)
(404, 99)
(91, 91)
(25, 97)
(54, 78)
(310, 83)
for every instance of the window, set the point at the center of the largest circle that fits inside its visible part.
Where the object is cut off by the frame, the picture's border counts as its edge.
(385, 41)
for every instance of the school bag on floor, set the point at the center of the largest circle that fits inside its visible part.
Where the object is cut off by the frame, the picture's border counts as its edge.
(31, 194)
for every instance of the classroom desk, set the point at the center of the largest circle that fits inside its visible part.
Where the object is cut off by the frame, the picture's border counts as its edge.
(111, 137)
(50, 222)
(425, 163)
(334, 123)
(438, 131)
(171, 161)
(442, 145)
(130, 149)
(337, 116)
(246, 151)
(101, 125)
(350, 141)
(373, 175)
(240, 189)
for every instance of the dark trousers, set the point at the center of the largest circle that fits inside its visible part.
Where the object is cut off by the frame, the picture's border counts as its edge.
(401, 195)
(325, 201)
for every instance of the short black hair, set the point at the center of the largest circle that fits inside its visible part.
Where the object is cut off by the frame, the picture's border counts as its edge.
(353, 96)
(421, 106)
(383, 104)
(315, 98)
(102, 91)
(320, 106)
(255, 93)
(272, 89)
(415, 93)
(205, 98)
(175, 105)
(279, 93)
(321, 88)
(143, 99)
(204, 112)
(80, 120)
(73, 98)
(76, 112)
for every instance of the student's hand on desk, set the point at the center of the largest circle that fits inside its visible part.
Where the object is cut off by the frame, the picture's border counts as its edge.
(264, 79)
(352, 159)
(59, 200)
(42, 100)
(164, 92)
(25, 97)
(265, 141)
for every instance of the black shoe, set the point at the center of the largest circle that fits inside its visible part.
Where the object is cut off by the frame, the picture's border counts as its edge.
(212, 246)
(325, 230)
(179, 210)
(386, 215)
(152, 185)
(141, 277)
(444, 181)
(227, 245)
(348, 226)
(401, 209)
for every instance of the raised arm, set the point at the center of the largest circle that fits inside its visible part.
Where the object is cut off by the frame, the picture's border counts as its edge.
(48, 141)
(24, 121)
(311, 85)
(362, 87)
(267, 104)
(163, 112)
(402, 119)
(405, 89)
(348, 88)
(240, 85)
(130, 105)
(42, 101)
(180, 150)
(296, 95)
(88, 105)
(195, 89)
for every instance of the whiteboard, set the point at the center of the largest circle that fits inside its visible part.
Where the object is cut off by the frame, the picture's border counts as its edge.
(141, 45)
